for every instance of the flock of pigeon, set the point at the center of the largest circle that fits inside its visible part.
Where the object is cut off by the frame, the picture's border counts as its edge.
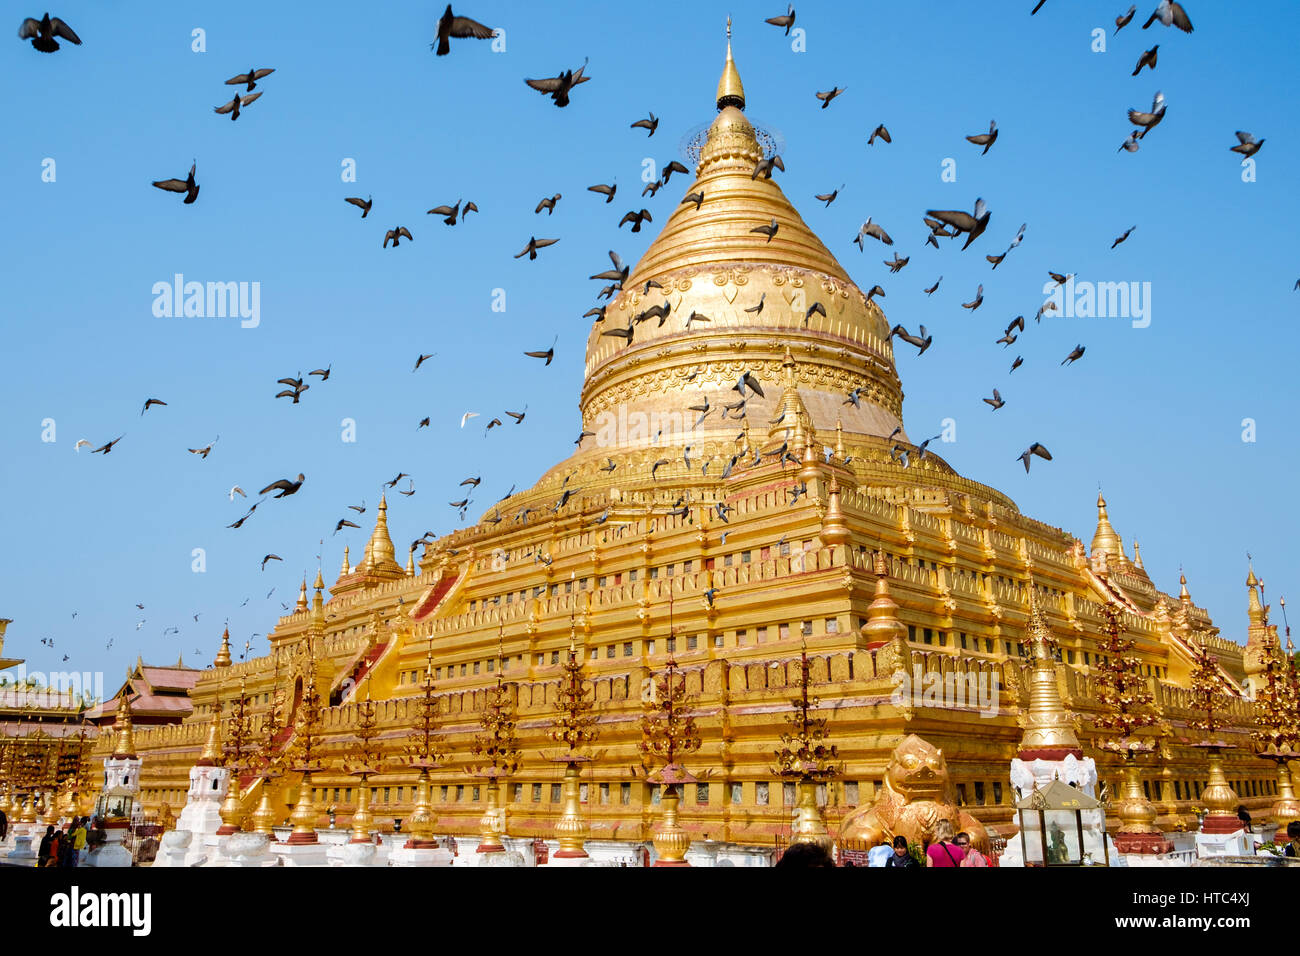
(949, 224)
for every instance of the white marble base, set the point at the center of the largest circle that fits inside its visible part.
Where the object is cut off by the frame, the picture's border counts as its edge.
(22, 852)
(249, 850)
(423, 856)
(1240, 843)
(301, 854)
(173, 848)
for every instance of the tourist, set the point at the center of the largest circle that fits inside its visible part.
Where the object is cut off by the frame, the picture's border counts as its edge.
(943, 852)
(973, 856)
(879, 854)
(4, 825)
(1293, 835)
(901, 856)
(43, 851)
(1244, 816)
(805, 856)
(79, 842)
(67, 855)
(54, 849)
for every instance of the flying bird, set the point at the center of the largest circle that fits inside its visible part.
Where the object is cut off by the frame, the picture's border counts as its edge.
(1247, 144)
(1123, 19)
(1017, 363)
(559, 87)
(985, 139)
(674, 167)
(204, 452)
(770, 230)
(830, 95)
(922, 341)
(1148, 121)
(236, 490)
(534, 244)
(362, 204)
(973, 224)
(636, 218)
(606, 191)
(977, 301)
(466, 417)
(420, 360)
(151, 401)
(1171, 14)
(1147, 59)
(1075, 354)
(77, 446)
(249, 79)
(271, 557)
(461, 28)
(105, 449)
(996, 401)
(758, 309)
(880, 132)
(696, 197)
(1034, 449)
(548, 204)
(931, 290)
(1123, 237)
(875, 231)
(284, 486)
(393, 483)
(450, 213)
(650, 124)
(187, 186)
(235, 105)
(897, 262)
(42, 33)
(1131, 144)
(764, 167)
(396, 235)
(786, 21)
(828, 198)
(815, 308)
(652, 187)
(548, 354)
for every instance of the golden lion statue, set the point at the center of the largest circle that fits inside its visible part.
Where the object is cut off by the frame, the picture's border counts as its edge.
(917, 794)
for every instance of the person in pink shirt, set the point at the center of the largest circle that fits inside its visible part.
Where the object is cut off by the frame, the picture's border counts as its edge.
(943, 851)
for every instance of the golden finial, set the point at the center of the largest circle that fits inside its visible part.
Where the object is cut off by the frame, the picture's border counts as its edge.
(320, 582)
(1106, 540)
(731, 92)
(1137, 557)
(1183, 593)
(223, 655)
(302, 596)
(347, 568)
(839, 440)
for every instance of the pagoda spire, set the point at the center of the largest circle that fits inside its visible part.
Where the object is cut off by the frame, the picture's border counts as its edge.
(731, 92)
(1106, 540)
(211, 756)
(381, 557)
(125, 746)
(883, 625)
(302, 596)
(1049, 727)
(1255, 609)
(347, 567)
(223, 655)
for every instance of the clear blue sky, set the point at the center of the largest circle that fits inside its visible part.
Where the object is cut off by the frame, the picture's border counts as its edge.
(1152, 414)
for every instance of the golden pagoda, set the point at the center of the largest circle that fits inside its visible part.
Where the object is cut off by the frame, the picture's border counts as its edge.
(767, 537)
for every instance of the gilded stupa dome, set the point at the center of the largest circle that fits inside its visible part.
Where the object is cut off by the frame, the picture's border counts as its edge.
(709, 261)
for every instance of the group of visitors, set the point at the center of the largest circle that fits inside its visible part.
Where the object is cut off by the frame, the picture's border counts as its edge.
(947, 849)
(66, 846)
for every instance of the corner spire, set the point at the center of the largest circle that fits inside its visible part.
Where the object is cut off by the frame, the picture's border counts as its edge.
(1049, 727)
(883, 625)
(125, 739)
(731, 92)
(223, 656)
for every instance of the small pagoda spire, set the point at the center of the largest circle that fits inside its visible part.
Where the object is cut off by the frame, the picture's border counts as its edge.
(1137, 556)
(380, 553)
(211, 756)
(834, 531)
(347, 568)
(1106, 540)
(1049, 727)
(883, 624)
(125, 746)
(223, 655)
(1255, 608)
(839, 441)
(731, 92)
(302, 596)
(1183, 594)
